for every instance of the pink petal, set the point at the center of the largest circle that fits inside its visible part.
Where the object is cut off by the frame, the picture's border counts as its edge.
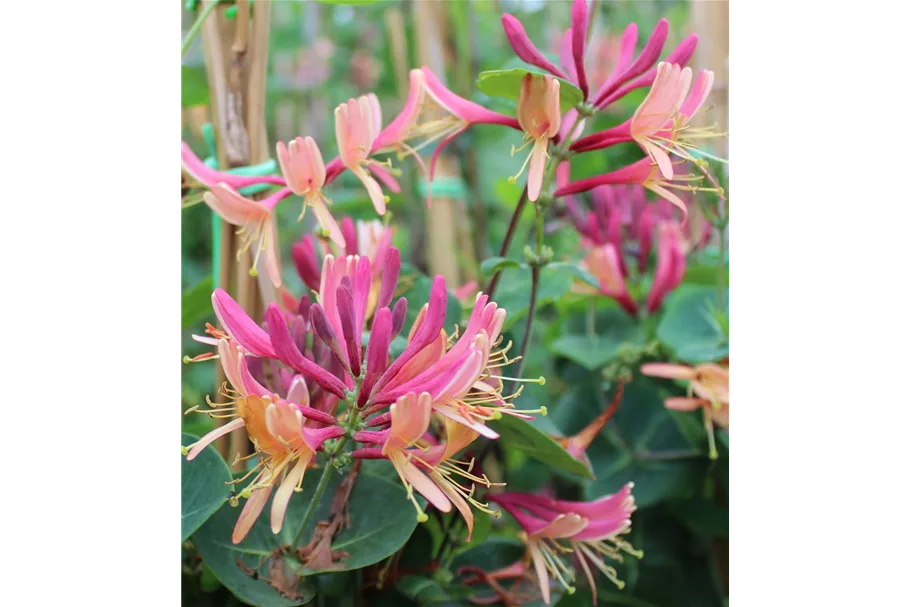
(579, 14)
(232, 207)
(255, 504)
(285, 490)
(214, 435)
(523, 47)
(668, 371)
(240, 326)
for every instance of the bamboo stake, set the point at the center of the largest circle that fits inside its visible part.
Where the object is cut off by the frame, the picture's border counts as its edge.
(236, 70)
(441, 216)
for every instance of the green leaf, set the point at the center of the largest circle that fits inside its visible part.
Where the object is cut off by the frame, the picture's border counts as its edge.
(691, 326)
(374, 532)
(596, 351)
(645, 444)
(418, 294)
(493, 264)
(520, 434)
(702, 517)
(196, 303)
(495, 553)
(514, 291)
(202, 486)
(194, 87)
(506, 83)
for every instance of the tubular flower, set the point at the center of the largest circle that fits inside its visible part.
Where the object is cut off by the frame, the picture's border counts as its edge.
(643, 173)
(256, 224)
(357, 124)
(671, 264)
(707, 390)
(539, 114)
(276, 428)
(433, 113)
(362, 238)
(661, 123)
(593, 530)
(303, 168)
(603, 262)
(463, 377)
(424, 466)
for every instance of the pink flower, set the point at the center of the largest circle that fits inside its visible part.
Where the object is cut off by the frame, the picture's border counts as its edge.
(525, 49)
(665, 113)
(671, 264)
(367, 238)
(463, 380)
(642, 173)
(255, 221)
(592, 530)
(423, 466)
(420, 122)
(276, 427)
(603, 262)
(577, 444)
(357, 124)
(302, 165)
(539, 115)
(708, 382)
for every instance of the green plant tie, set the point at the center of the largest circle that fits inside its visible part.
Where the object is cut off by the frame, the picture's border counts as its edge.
(445, 187)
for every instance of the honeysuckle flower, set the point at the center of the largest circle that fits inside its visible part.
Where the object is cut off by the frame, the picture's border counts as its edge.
(577, 444)
(433, 113)
(592, 530)
(256, 225)
(671, 264)
(603, 262)
(524, 48)
(463, 379)
(362, 238)
(357, 124)
(661, 123)
(657, 110)
(209, 177)
(302, 166)
(276, 427)
(425, 468)
(629, 75)
(707, 390)
(539, 115)
(278, 344)
(644, 173)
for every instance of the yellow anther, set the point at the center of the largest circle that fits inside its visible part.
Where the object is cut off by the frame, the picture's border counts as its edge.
(422, 517)
(254, 272)
(184, 450)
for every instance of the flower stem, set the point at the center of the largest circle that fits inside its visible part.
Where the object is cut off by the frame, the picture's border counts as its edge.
(194, 29)
(507, 240)
(318, 494)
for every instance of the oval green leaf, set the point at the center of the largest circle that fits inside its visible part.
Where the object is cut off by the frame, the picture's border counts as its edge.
(202, 486)
(493, 264)
(506, 83)
(523, 436)
(374, 533)
(693, 327)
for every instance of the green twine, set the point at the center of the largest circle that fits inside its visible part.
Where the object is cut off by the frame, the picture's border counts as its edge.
(445, 187)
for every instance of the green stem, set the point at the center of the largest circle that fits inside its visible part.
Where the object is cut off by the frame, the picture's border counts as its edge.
(507, 240)
(196, 25)
(318, 494)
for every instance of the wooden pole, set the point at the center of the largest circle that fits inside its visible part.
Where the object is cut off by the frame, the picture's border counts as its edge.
(442, 214)
(235, 64)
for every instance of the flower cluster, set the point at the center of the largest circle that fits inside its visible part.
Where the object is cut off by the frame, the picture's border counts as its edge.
(303, 377)
(622, 225)
(561, 536)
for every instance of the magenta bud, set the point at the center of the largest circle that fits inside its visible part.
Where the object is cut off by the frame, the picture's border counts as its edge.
(399, 312)
(326, 333)
(305, 260)
(349, 234)
(345, 303)
(391, 267)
